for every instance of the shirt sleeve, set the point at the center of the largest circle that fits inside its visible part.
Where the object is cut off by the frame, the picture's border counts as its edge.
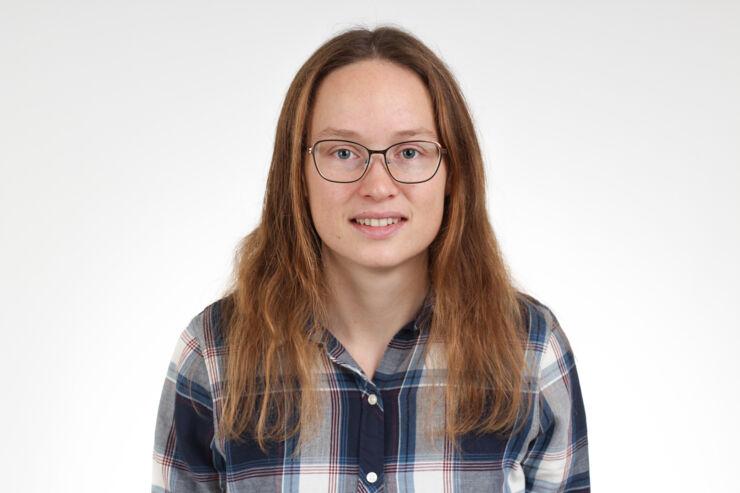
(185, 456)
(557, 459)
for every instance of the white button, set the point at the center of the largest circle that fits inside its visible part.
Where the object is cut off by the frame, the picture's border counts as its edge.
(372, 399)
(371, 477)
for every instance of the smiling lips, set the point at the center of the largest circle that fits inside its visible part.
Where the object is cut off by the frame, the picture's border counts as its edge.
(375, 223)
(378, 226)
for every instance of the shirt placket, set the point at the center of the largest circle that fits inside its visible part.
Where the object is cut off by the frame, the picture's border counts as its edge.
(372, 423)
(372, 436)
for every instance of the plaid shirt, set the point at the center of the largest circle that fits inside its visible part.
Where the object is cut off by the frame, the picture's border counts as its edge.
(372, 435)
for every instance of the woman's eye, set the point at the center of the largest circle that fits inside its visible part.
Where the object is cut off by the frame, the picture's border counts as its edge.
(343, 153)
(409, 153)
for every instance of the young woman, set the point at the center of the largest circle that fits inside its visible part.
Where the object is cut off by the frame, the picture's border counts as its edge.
(372, 340)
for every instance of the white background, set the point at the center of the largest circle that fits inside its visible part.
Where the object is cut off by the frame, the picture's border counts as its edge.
(134, 144)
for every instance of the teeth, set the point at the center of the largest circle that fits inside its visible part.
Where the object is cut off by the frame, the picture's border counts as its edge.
(375, 223)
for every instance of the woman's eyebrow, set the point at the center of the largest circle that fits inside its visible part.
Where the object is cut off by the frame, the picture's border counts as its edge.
(351, 134)
(337, 132)
(416, 132)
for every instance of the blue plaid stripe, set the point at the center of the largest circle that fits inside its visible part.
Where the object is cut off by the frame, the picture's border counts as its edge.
(390, 438)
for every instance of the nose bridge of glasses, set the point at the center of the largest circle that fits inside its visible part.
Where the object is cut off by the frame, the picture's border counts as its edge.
(383, 162)
(371, 153)
(369, 159)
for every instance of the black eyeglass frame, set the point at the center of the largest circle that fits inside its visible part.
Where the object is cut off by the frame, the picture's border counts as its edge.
(441, 149)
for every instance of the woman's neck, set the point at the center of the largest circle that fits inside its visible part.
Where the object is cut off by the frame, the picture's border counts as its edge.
(368, 306)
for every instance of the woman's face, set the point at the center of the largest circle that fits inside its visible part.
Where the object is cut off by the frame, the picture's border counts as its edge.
(377, 104)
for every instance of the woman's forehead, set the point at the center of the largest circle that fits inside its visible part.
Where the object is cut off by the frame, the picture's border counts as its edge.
(372, 98)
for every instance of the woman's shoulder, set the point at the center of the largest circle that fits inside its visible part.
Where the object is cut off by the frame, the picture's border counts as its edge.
(206, 329)
(199, 352)
(547, 346)
(538, 319)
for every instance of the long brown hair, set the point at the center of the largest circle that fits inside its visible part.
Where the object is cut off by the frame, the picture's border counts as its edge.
(276, 306)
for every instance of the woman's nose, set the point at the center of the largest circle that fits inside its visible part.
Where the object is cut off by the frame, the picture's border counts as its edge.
(377, 182)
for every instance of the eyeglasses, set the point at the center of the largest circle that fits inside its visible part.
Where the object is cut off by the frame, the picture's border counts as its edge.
(344, 161)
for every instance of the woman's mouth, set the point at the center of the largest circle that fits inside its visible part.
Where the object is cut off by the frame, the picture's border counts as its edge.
(378, 228)
(377, 223)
